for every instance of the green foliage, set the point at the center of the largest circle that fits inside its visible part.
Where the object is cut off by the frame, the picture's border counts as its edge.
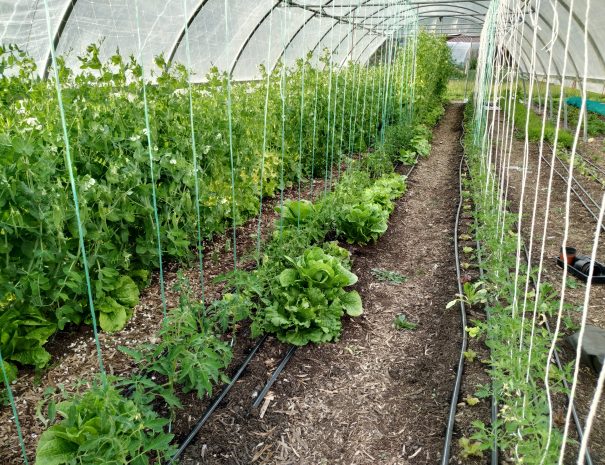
(23, 332)
(404, 143)
(470, 448)
(402, 322)
(295, 212)
(363, 218)
(102, 427)
(190, 353)
(534, 128)
(474, 294)
(376, 164)
(308, 300)
(42, 262)
(388, 276)
(363, 223)
(523, 428)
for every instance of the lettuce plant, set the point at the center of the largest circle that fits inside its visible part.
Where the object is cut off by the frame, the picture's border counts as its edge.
(308, 300)
(296, 212)
(365, 219)
(103, 427)
(363, 223)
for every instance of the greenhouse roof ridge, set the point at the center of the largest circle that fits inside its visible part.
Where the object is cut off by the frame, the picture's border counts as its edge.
(267, 31)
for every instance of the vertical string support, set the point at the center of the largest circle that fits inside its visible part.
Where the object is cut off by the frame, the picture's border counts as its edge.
(151, 164)
(231, 161)
(74, 191)
(200, 250)
(13, 405)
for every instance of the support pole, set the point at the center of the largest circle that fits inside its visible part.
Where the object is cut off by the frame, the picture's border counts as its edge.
(552, 105)
(585, 123)
(468, 65)
(565, 119)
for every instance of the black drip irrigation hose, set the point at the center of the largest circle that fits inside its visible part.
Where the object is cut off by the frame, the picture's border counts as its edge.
(274, 375)
(494, 403)
(210, 410)
(578, 196)
(574, 179)
(445, 457)
(409, 173)
(574, 413)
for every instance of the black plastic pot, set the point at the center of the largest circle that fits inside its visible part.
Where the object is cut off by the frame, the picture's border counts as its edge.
(571, 255)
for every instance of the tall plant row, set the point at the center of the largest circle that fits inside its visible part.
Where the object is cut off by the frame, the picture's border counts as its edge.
(42, 286)
(296, 123)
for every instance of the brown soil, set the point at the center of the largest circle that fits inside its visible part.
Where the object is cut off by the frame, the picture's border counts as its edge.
(581, 235)
(380, 395)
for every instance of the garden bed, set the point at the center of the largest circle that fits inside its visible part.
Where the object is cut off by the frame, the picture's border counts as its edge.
(381, 394)
(581, 235)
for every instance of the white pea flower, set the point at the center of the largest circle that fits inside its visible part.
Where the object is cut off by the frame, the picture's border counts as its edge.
(180, 92)
(172, 161)
(206, 149)
(218, 136)
(135, 138)
(88, 184)
(33, 123)
(131, 97)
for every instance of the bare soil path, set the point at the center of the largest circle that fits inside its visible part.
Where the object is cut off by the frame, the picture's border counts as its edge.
(380, 395)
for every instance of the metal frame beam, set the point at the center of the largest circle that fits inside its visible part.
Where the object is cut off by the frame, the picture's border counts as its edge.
(64, 18)
(181, 35)
(292, 39)
(249, 38)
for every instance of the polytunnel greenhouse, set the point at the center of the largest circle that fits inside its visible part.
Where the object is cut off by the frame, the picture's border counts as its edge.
(302, 232)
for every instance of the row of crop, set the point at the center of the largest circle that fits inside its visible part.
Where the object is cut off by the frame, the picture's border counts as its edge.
(298, 293)
(274, 142)
(42, 285)
(532, 124)
(519, 344)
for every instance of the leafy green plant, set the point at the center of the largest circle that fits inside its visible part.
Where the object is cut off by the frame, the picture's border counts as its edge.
(470, 448)
(470, 355)
(308, 300)
(474, 294)
(101, 426)
(365, 218)
(23, 333)
(190, 353)
(362, 223)
(402, 322)
(388, 276)
(295, 212)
